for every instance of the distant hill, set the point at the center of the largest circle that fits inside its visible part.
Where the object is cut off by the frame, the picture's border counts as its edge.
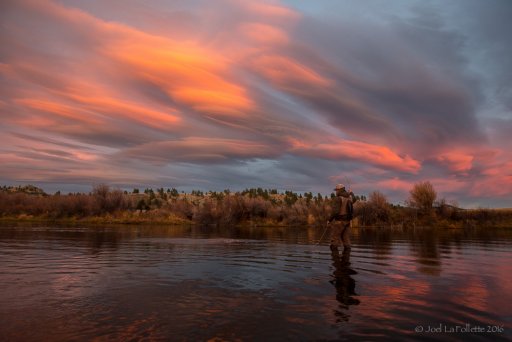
(26, 189)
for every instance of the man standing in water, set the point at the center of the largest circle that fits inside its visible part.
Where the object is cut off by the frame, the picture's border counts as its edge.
(342, 212)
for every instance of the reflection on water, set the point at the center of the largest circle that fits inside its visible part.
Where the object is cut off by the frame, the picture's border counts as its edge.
(343, 281)
(200, 283)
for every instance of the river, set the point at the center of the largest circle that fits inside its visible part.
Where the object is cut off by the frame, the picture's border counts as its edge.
(61, 283)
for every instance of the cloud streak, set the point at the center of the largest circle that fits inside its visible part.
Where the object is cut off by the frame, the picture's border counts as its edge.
(361, 151)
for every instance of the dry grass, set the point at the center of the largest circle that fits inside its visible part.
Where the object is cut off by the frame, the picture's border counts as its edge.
(255, 207)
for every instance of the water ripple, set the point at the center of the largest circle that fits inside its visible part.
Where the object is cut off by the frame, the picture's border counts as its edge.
(200, 284)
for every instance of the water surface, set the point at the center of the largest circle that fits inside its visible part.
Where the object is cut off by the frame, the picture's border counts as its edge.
(201, 283)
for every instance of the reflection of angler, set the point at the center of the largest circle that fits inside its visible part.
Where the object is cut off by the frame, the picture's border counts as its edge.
(342, 278)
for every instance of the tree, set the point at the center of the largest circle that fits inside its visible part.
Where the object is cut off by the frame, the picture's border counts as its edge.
(422, 196)
(101, 190)
(379, 206)
(141, 205)
(378, 200)
(308, 196)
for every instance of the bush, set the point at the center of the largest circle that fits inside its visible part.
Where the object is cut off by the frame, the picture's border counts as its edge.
(379, 207)
(422, 196)
(255, 206)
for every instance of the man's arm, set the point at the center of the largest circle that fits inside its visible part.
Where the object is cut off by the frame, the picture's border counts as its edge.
(352, 196)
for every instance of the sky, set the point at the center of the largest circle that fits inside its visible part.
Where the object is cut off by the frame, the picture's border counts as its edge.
(295, 95)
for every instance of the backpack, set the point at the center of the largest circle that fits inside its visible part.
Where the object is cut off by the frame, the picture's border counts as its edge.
(346, 208)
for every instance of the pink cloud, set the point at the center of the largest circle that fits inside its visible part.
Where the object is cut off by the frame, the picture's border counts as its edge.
(109, 105)
(269, 10)
(287, 73)
(456, 161)
(264, 34)
(496, 180)
(58, 110)
(356, 150)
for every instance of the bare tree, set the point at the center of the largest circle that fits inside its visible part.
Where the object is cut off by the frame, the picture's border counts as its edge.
(378, 200)
(422, 196)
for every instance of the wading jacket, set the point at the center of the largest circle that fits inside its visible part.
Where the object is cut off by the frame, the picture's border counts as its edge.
(342, 209)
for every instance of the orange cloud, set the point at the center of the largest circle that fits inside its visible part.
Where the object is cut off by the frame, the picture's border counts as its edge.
(357, 150)
(86, 93)
(58, 109)
(190, 75)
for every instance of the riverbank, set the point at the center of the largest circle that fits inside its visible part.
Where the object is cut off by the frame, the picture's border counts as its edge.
(124, 219)
(147, 219)
(251, 207)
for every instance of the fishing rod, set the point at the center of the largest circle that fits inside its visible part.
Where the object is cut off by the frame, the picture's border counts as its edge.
(347, 181)
(325, 230)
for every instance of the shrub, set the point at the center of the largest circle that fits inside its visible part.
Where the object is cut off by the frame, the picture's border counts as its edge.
(422, 196)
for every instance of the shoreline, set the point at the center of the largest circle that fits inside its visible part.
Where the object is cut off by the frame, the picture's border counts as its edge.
(101, 220)
(177, 221)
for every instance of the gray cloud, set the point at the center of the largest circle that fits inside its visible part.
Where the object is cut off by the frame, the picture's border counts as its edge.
(199, 150)
(411, 78)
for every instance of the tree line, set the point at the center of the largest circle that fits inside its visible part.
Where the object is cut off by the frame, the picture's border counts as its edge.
(256, 206)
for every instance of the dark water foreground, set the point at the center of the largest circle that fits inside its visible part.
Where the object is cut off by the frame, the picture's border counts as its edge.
(183, 283)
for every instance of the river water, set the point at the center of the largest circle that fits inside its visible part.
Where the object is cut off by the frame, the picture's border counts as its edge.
(202, 283)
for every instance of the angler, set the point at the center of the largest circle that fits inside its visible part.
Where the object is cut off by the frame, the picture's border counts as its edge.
(341, 217)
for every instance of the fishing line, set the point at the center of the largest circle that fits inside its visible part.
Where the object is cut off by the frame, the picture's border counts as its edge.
(325, 230)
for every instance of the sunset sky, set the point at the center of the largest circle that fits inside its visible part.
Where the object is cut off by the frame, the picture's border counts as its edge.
(297, 95)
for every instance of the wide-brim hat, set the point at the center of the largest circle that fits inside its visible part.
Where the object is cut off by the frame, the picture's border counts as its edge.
(339, 187)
